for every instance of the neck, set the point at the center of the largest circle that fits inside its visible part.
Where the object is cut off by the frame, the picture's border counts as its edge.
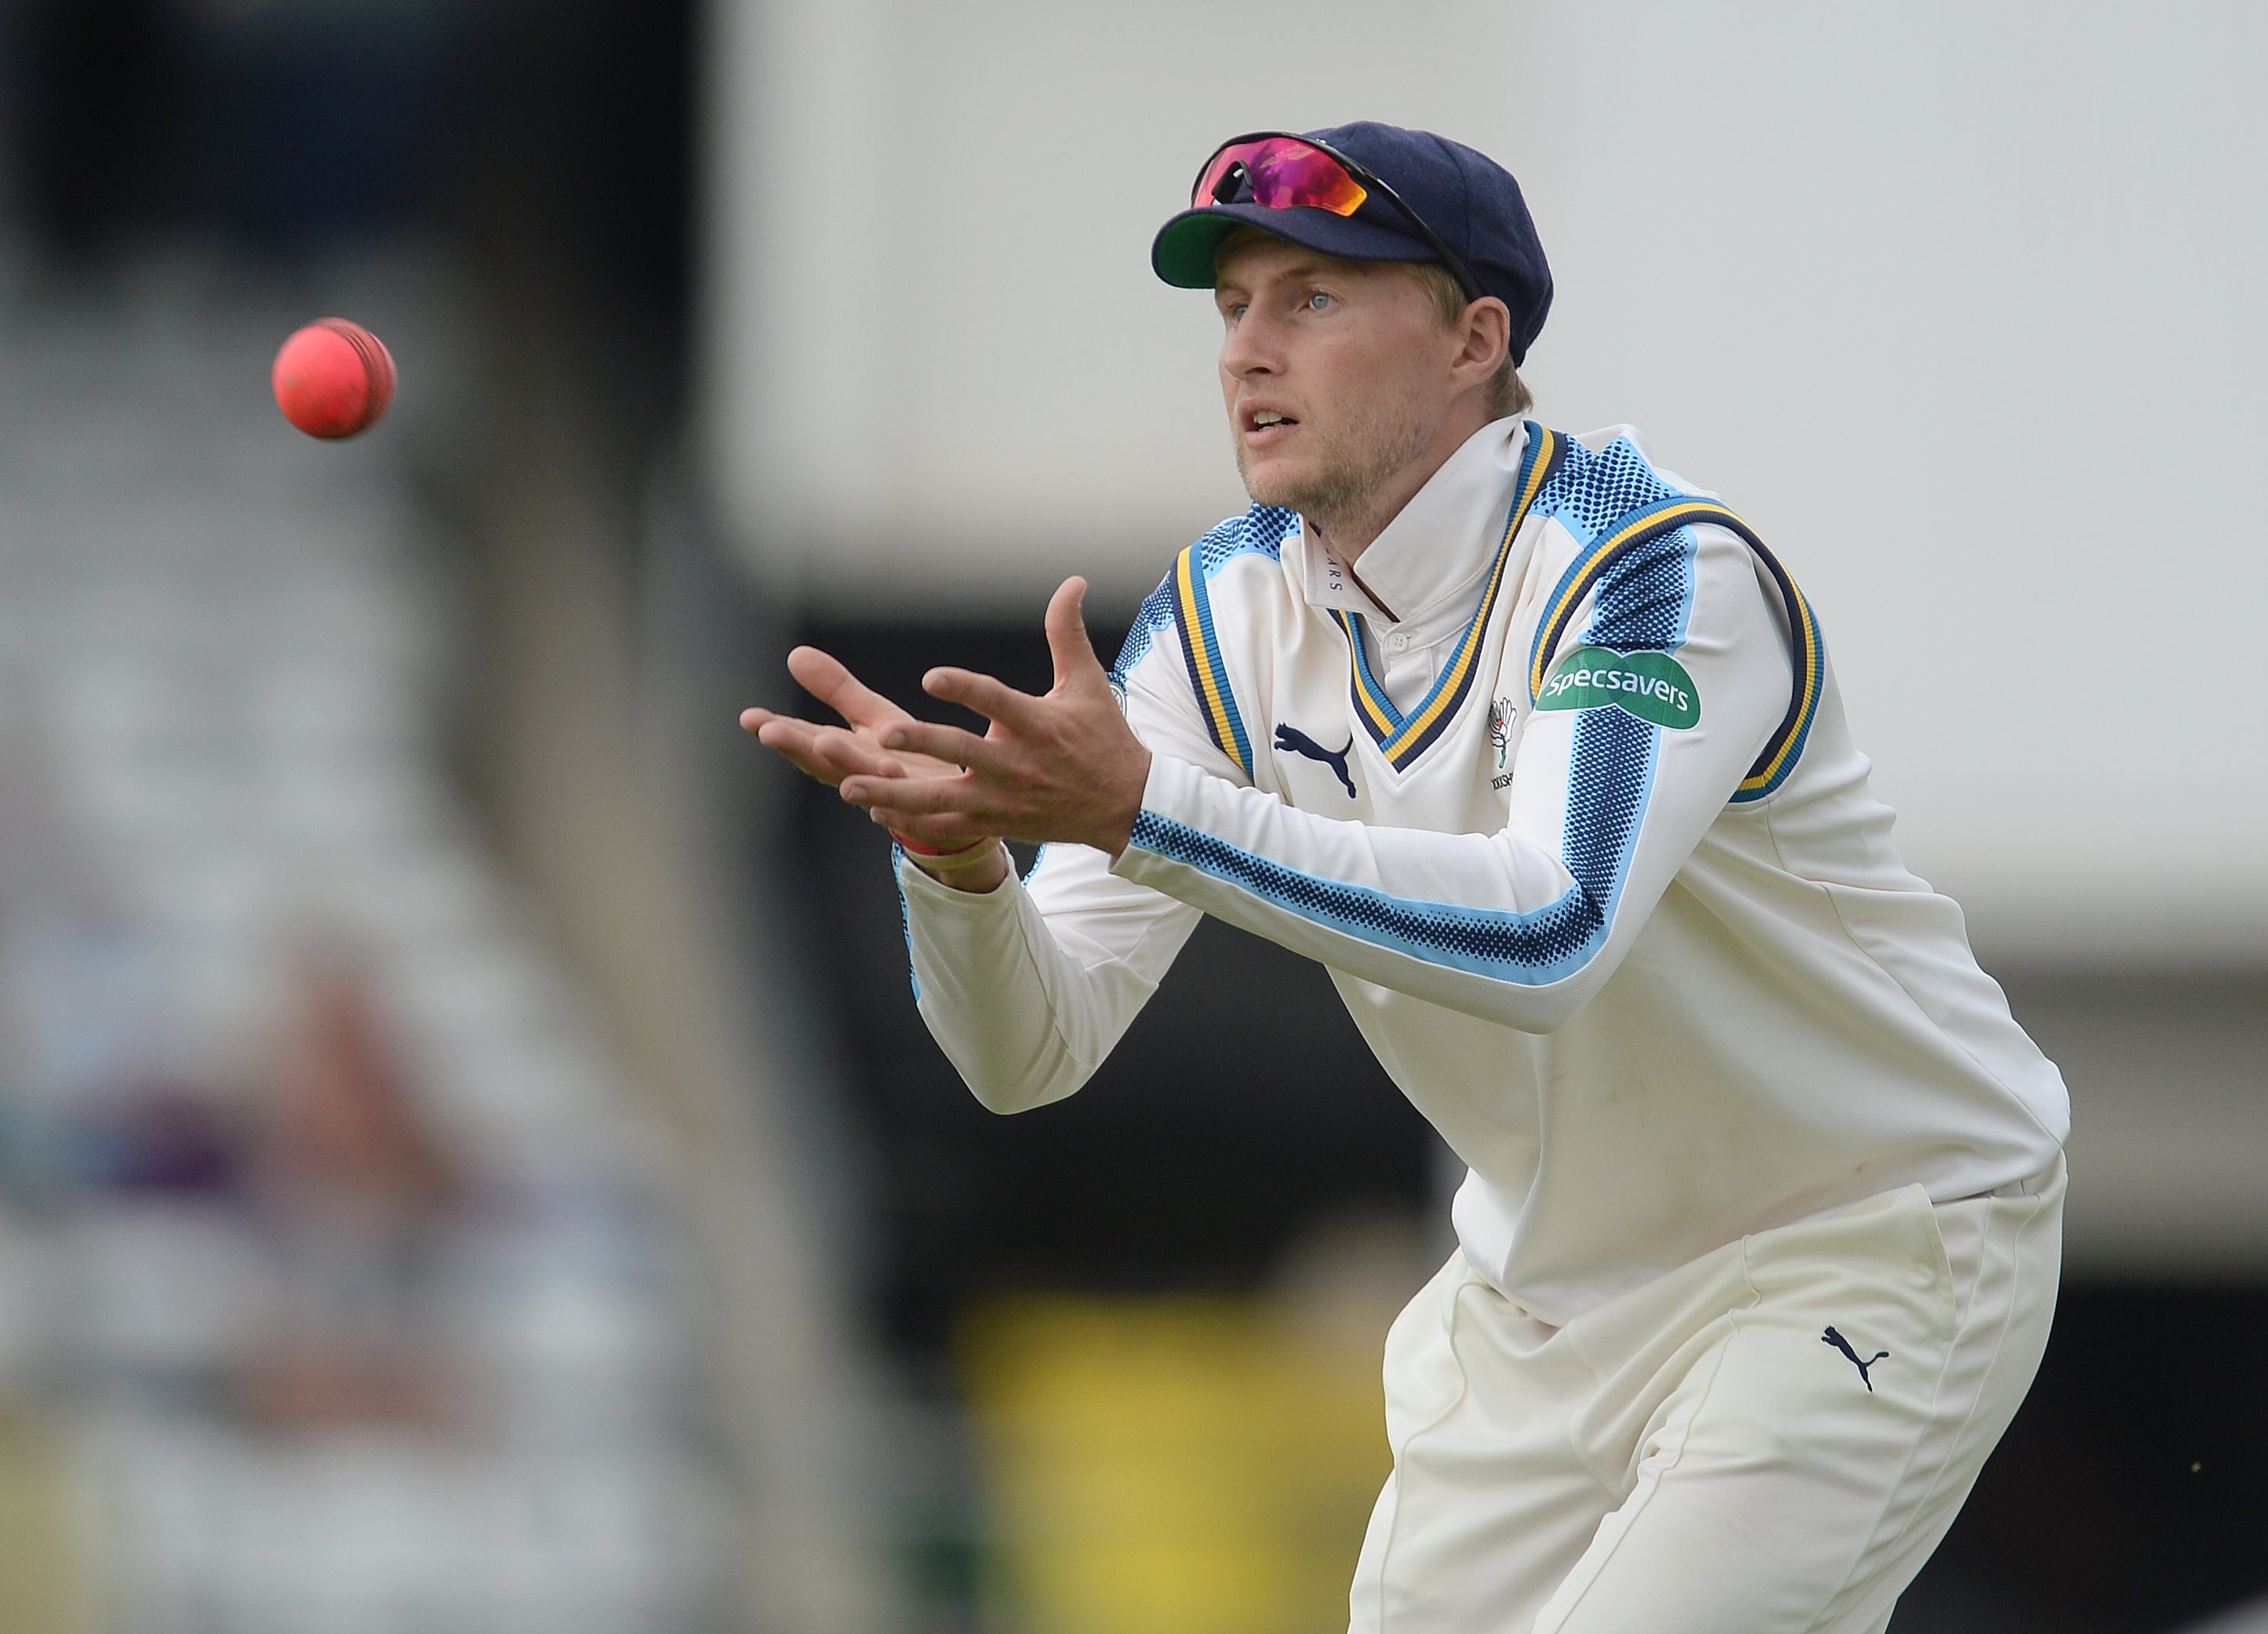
(1347, 534)
(1347, 530)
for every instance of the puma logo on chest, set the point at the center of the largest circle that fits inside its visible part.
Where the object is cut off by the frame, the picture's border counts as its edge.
(1293, 741)
(1830, 1337)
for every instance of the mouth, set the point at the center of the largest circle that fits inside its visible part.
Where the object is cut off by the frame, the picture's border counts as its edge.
(1261, 427)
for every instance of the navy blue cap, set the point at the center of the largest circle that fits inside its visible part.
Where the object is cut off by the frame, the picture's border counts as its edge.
(1463, 194)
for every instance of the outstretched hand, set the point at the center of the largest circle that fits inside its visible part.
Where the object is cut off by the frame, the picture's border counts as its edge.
(1060, 767)
(831, 753)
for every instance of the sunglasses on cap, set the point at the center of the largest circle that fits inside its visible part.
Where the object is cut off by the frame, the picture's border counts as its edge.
(1284, 172)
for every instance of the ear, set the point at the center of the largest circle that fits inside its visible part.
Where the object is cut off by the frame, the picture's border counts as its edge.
(1485, 337)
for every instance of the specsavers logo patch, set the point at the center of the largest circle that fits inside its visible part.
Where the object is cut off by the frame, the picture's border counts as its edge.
(1653, 687)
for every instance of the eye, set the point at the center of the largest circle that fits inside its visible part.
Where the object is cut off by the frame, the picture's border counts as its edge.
(1320, 302)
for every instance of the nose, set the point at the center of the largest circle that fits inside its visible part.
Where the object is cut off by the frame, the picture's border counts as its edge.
(1248, 350)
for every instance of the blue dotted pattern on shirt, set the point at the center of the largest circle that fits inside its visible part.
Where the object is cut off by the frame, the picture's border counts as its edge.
(1260, 530)
(1642, 602)
(1490, 941)
(1609, 771)
(1589, 491)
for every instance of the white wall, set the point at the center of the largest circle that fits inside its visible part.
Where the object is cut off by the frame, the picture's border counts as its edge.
(1960, 304)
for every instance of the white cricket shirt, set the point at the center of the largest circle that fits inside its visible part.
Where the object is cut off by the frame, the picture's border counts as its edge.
(1562, 795)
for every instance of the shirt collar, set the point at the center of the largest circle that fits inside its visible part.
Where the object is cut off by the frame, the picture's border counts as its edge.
(1429, 556)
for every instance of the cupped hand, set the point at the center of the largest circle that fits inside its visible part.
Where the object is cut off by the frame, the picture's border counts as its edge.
(1064, 767)
(832, 753)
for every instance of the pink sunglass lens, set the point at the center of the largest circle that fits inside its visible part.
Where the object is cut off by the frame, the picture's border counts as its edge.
(1284, 175)
(1208, 189)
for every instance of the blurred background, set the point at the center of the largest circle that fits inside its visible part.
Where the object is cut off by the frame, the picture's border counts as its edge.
(468, 1159)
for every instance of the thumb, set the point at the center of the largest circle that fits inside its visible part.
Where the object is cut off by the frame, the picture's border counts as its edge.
(1067, 638)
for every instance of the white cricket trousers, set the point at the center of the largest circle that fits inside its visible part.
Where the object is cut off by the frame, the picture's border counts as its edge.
(1700, 1455)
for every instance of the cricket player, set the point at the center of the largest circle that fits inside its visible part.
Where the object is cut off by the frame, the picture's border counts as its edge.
(1538, 749)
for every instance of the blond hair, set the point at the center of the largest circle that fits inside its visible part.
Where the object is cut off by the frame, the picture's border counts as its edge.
(1508, 392)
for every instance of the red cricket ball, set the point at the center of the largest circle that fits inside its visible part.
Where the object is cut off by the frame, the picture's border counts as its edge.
(334, 378)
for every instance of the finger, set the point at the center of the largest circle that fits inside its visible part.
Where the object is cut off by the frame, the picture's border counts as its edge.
(790, 736)
(753, 721)
(831, 752)
(828, 753)
(811, 767)
(846, 756)
(925, 796)
(828, 679)
(995, 700)
(946, 743)
(1073, 650)
(795, 740)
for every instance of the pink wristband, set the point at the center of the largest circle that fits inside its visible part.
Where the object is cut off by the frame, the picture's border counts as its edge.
(949, 861)
(921, 848)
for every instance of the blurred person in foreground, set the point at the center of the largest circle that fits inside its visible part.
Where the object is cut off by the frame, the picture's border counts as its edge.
(1536, 746)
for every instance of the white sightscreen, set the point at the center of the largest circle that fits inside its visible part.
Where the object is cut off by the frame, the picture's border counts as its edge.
(1960, 304)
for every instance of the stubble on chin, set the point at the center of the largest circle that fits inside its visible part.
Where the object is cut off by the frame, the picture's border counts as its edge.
(1349, 471)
